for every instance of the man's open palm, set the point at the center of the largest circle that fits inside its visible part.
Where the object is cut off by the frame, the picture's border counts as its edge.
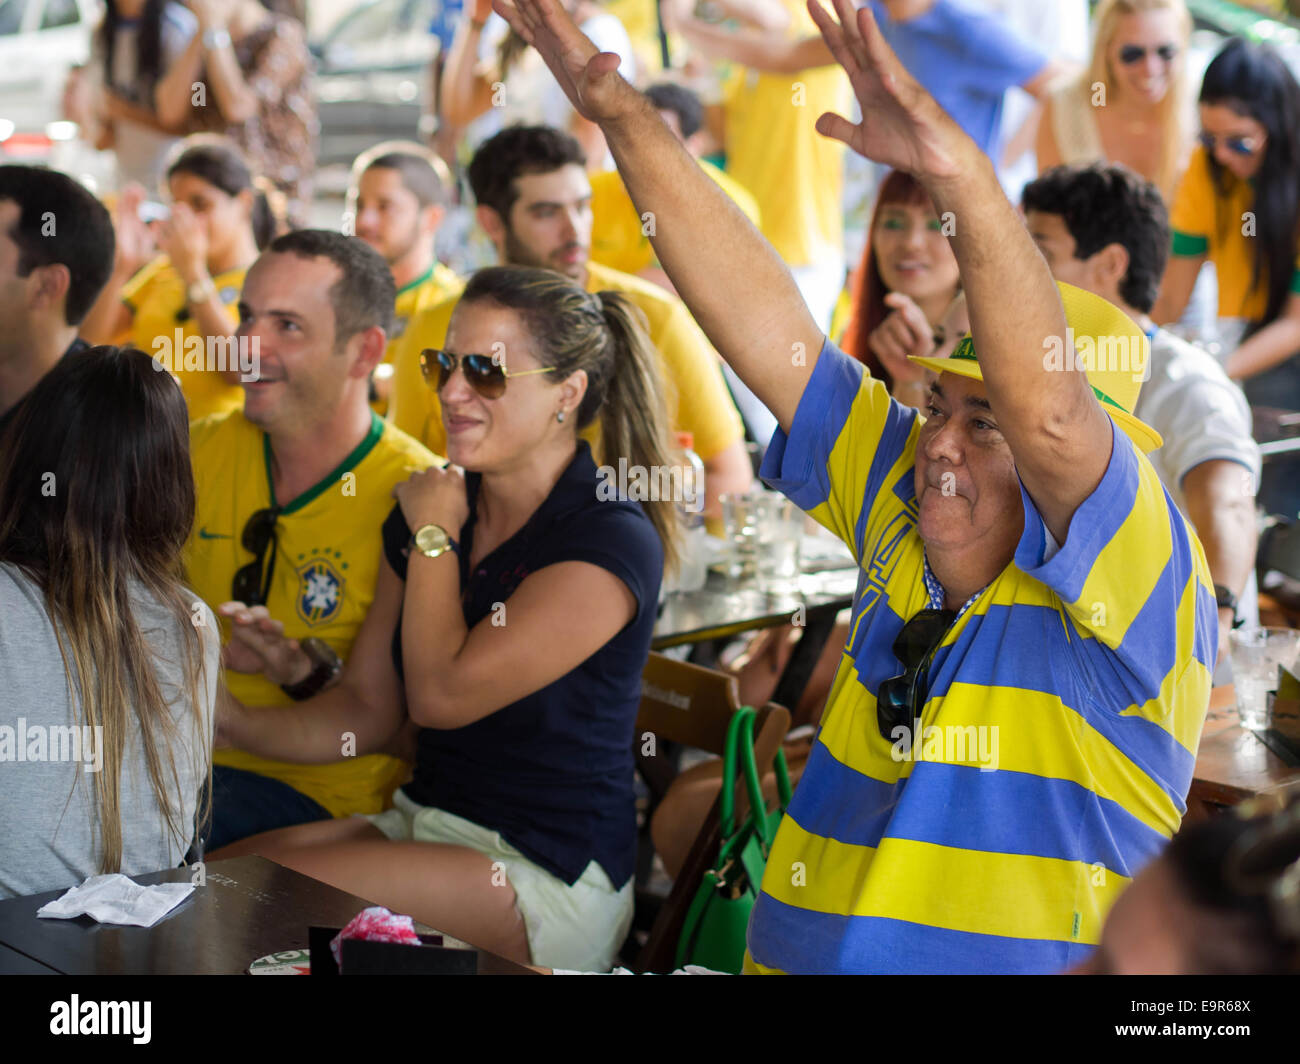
(586, 74)
(902, 126)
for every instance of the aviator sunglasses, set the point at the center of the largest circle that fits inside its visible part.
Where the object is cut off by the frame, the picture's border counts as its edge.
(484, 373)
(1135, 53)
(900, 699)
(249, 585)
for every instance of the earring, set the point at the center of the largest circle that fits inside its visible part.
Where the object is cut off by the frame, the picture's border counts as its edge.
(560, 417)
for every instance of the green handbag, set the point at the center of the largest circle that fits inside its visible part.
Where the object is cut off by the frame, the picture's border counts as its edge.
(713, 933)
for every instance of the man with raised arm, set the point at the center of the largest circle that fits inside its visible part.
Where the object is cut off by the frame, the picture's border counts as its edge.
(1011, 733)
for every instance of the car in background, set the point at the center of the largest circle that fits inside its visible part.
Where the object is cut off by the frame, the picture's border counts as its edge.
(40, 41)
(373, 77)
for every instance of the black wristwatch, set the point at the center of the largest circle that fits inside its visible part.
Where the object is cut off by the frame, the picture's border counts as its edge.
(326, 665)
(1227, 601)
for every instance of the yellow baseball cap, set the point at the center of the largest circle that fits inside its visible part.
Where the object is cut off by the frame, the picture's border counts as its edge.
(1103, 341)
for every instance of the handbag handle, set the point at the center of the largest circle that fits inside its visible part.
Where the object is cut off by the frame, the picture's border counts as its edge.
(740, 748)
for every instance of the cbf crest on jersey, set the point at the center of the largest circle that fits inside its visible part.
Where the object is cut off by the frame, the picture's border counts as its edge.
(320, 591)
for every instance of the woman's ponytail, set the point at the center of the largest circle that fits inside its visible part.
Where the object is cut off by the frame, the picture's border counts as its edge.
(634, 415)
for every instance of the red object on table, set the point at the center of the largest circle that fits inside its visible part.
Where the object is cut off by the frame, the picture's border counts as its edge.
(375, 924)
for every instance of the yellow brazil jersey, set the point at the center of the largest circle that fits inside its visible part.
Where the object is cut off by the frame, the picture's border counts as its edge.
(619, 238)
(160, 315)
(773, 150)
(698, 399)
(428, 290)
(1221, 226)
(326, 562)
(1055, 747)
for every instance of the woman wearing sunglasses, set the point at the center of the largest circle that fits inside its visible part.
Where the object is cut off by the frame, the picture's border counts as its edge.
(1129, 105)
(1238, 205)
(511, 622)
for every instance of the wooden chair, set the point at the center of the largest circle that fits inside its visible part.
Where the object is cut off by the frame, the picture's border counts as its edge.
(692, 705)
(1279, 552)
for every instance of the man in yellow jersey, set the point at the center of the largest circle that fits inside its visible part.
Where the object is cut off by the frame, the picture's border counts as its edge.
(1012, 730)
(534, 201)
(291, 495)
(396, 201)
(620, 238)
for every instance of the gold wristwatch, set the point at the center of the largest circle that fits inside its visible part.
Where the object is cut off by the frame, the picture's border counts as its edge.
(432, 540)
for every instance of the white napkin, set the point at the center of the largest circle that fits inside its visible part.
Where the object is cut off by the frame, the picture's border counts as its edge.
(116, 899)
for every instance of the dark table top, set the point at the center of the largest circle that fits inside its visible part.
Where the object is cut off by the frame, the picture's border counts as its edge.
(248, 908)
(723, 609)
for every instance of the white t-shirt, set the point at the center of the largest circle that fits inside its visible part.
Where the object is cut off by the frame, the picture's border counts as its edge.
(530, 94)
(1202, 415)
(50, 838)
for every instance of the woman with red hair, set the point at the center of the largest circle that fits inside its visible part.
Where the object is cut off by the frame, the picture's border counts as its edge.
(902, 288)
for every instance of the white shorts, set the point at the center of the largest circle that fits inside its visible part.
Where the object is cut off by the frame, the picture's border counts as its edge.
(579, 927)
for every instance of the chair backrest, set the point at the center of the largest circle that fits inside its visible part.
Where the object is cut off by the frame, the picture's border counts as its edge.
(1279, 550)
(693, 705)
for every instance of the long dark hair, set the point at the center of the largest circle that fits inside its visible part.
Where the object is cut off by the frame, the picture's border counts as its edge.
(96, 499)
(605, 335)
(218, 162)
(148, 43)
(1253, 80)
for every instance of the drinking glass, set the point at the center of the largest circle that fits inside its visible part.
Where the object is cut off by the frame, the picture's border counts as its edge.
(1256, 654)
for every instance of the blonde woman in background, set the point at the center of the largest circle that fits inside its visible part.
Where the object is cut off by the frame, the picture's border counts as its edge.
(1131, 105)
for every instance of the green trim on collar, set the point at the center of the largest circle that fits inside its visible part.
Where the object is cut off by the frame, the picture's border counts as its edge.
(318, 489)
(418, 281)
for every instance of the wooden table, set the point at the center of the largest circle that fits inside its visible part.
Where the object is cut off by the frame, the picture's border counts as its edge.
(249, 907)
(1232, 764)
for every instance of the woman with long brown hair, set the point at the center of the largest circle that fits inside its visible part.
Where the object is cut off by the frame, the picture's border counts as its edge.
(519, 657)
(108, 662)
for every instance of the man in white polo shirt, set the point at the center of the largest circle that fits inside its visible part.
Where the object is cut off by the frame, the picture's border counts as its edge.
(1104, 228)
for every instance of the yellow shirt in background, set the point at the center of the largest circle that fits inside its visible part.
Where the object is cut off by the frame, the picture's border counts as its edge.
(773, 149)
(1221, 226)
(428, 290)
(618, 237)
(698, 399)
(326, 562)
(159, 306)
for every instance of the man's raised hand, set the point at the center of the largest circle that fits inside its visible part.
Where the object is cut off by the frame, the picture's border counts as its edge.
(588, 77)
(902, 126)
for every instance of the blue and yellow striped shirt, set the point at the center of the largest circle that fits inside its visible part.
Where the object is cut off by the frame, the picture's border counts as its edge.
(1057, 744)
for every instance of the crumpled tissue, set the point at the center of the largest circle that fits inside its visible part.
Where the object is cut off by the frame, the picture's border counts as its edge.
(117, 899)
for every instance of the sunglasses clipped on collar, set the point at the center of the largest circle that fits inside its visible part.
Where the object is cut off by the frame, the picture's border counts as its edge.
(1236, 145)
(900, 699)
(250, 586)
(1135, 53)
(486, 374)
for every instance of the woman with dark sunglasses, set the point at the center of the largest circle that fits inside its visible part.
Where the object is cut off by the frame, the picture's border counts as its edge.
(1238, 205)
(511, 623)
(1128, 105)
